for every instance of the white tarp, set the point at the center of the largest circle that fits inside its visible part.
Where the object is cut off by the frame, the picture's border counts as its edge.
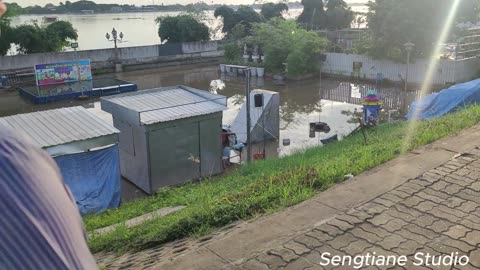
(268, 114)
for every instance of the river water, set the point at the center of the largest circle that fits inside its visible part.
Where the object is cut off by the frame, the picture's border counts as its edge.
(139, 28)
(301, 102)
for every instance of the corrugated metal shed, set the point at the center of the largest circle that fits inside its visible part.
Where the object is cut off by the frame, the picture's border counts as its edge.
(164, 104)
(59, 127)
(168, 135)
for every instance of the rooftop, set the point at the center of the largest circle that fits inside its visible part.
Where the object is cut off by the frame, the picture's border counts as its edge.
(165, 104)
(59, 126)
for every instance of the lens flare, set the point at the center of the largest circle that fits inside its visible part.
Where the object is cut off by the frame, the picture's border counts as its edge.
(432, 67)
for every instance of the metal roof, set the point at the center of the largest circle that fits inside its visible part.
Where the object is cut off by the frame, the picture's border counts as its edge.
(165, 104)
(59, 126)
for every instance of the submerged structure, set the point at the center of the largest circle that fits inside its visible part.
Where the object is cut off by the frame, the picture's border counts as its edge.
(85, 148)
(264, 117)
(41, 94)
(168, 135)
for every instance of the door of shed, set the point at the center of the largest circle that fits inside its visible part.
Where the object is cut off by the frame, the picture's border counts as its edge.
(174, 155)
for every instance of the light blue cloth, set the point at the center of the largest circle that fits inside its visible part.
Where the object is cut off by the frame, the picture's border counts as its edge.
(94, 178)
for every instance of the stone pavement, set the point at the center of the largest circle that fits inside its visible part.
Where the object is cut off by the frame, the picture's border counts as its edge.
(427, 200)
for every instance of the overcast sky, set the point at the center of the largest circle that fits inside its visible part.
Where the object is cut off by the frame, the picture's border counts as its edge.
(148, 2)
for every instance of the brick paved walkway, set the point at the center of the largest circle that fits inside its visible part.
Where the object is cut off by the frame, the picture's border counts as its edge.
(436, 213)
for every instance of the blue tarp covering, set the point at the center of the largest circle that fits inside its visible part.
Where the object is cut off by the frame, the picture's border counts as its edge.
(447, 100)
(93, 177)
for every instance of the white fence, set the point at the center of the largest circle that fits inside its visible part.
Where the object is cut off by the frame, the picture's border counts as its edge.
(107, 57)
(447, 71)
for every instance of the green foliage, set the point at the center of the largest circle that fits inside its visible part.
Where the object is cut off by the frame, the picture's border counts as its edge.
(313, 14)
(272, 10)
(336, 14)
(244, 15)
(393, 23)
(232, 52)
(265, 186)
(41, 39)
(280, 39)
(303, 57)
(182, 28)
(6, 33)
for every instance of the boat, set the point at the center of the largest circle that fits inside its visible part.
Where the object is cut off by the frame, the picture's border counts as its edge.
(50, 19)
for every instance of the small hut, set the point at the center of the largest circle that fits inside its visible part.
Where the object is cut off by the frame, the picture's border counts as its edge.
(84, 147)
(168, 135)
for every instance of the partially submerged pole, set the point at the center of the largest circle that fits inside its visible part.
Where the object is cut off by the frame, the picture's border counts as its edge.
(247, 94)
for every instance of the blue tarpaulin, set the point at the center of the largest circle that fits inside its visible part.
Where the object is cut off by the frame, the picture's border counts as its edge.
(93, 177)
(445, 101)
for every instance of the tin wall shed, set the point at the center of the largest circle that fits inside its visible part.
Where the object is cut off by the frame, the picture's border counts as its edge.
(84, 148)
(168, 135)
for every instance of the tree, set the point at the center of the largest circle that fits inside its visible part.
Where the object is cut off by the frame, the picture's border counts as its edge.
(244, 15)
(272, 10)
(392, 23)
(338, 15)
(182, 28)
(283, 41)
(313, 15)
(6, 32)
(227, 14)
(42, 39)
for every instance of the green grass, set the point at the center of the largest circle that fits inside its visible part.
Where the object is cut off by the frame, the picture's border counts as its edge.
(265, 186)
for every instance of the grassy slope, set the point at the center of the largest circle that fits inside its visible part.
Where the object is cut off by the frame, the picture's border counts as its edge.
(265, 186)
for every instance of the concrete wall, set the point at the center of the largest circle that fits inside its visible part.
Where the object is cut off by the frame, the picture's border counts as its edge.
(447, 71)
(105, 58)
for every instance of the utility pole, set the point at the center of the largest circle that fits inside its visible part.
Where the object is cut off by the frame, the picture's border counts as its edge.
(408, 47)
(247, 94)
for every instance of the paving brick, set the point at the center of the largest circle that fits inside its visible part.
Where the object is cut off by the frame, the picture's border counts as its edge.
(412, 201)
(425, 206)
(296, 247)
(308, 241)
(286, 254)
(342, 241)
(351, 219)
(457, 231)
(473, 238)
(356, 247)
(421, 230)
(329, 229)
(368, 236)
(394, 225)
(298, 264)
(273, 261)
(342, 225)
(453, 202)
(407, 248)
(368, 227)
(380, 219)
(413, 236)
(391, 241)
(318, 235)
(468, 206)
(254, 264)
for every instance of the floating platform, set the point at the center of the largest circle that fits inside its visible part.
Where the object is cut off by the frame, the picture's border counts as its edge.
(94, 88)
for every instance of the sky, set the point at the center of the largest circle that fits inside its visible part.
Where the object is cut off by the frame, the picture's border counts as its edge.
(149, 2)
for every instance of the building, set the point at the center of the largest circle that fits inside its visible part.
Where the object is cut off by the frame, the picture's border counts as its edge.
(85, 148)
(168, 135)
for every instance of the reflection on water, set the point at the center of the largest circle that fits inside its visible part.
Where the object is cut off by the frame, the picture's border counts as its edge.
(302, 102)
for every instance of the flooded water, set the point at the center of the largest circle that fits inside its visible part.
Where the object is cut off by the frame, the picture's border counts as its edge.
(301, 102)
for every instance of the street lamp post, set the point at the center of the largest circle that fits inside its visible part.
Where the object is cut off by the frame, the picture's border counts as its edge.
(115, 37)
(408, 48)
